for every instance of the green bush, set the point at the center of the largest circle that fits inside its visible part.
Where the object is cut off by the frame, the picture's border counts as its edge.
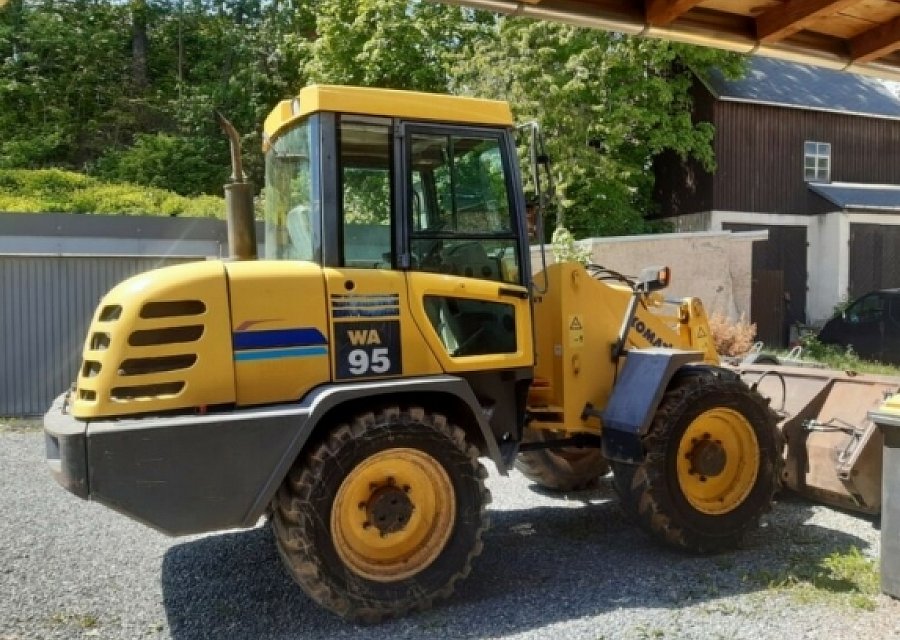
(53, 190)
(184, 164)
(842, 358)
(21, 204)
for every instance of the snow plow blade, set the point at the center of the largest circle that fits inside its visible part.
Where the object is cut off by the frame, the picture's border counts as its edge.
(833, 451)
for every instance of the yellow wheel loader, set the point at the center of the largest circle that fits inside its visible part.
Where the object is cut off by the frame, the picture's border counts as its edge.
(349, 384)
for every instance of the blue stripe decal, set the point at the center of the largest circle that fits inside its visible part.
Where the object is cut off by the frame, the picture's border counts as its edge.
(275, 338)
(273, 354)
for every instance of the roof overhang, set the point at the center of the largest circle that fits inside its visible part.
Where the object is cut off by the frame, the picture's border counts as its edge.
(846, 35)
(856, 197)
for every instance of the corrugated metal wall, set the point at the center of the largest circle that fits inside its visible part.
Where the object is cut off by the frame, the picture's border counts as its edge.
(46, 303)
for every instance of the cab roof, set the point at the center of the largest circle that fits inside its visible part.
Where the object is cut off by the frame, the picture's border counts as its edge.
(411, 105)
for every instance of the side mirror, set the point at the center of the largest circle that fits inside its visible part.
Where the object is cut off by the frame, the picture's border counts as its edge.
(653, 279)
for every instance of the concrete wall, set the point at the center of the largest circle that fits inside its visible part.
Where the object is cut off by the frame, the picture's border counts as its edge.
(828, 252)
(712, 266)
(828, 260)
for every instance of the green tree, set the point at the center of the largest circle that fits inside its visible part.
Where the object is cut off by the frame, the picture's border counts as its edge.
(608, 104)
(62, 71)
(391, 44)
(83, 83)
(128, 89)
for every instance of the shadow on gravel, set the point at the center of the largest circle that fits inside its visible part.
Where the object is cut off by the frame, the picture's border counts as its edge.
(539, 566)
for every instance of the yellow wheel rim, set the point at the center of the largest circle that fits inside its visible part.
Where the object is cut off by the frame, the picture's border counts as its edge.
(393, 515)
(718, 461)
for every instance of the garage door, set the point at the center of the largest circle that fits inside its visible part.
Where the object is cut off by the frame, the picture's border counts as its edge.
(874, 258)
(778, 294)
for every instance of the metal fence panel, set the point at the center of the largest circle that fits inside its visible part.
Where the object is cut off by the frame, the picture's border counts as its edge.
(46, 304)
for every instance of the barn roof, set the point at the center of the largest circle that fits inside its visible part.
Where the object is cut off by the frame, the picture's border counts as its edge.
(779, 82)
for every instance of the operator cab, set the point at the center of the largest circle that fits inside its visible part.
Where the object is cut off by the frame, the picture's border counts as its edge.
(430, 185)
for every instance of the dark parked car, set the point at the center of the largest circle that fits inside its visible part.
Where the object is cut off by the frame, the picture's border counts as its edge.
(871, 325)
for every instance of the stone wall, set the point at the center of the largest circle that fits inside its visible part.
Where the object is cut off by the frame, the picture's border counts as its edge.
(712, 266)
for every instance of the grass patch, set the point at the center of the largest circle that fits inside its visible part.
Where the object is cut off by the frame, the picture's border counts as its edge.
(842, 577)
(842, 358)
(85, 621)
(20, 425)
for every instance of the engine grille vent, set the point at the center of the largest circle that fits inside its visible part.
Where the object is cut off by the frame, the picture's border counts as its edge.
(173, 309)
(140, 366)
(165, 335)
(146, 391)
(110, 312)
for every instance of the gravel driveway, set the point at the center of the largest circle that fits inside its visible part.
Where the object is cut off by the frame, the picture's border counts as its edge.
(564, 568)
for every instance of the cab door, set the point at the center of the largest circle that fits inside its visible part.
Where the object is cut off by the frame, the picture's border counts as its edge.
(462, 243)
(373, 335)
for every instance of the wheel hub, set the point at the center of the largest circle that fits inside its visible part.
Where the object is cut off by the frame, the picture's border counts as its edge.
(389, 509)
(718, 461)
(393, 514)
(707, 457)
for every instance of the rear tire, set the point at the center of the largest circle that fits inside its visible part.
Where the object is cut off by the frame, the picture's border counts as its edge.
(384, 516)
(566, 469)
(711, 467)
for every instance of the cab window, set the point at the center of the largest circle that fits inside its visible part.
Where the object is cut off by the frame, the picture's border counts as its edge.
(460, 211)
(292, 208)
(365, 188)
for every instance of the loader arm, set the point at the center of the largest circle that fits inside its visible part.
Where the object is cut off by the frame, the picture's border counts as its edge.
(577, 323)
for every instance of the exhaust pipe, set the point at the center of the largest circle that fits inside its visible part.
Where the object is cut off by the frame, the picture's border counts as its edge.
(238, 201)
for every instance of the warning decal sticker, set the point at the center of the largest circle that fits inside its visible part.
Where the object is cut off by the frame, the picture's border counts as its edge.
(576, 331)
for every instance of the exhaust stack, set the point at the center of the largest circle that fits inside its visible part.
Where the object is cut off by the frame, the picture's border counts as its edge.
(238, 201)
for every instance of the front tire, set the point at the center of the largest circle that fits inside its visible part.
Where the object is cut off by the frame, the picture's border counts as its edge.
(711, 467)
(384, 516)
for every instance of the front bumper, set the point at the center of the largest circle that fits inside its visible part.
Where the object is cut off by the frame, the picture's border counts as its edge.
(66, 443)
(179, 474)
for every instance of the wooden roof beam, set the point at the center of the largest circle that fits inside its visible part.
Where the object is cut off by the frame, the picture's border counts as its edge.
(777, 23)
(877, 42)
(659, 13)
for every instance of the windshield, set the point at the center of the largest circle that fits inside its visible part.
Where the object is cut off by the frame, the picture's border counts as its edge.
(293, 210)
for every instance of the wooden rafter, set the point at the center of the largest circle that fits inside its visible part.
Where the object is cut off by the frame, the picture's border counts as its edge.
(661, 12)
(876, 42)
(777, 23)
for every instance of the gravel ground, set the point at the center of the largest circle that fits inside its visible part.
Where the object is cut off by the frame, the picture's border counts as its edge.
(567, 568)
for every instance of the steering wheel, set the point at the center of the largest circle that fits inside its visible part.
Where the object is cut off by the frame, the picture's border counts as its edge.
(431, 255)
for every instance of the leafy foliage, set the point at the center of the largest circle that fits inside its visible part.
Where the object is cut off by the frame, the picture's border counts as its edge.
(84, 81)
(608, 104)
(126, 90)
(842, 358)
(565, 249)
(160, 160)
(54, 190)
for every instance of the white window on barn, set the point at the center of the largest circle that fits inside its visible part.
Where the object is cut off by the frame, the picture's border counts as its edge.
(817, 161)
